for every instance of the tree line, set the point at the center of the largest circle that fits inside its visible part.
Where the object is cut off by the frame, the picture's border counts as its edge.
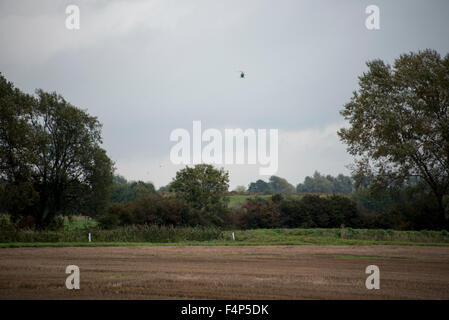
(199, 197)
(317, 183)
(52, 163)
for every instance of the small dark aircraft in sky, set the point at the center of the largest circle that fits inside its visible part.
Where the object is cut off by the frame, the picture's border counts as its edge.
(242, 74)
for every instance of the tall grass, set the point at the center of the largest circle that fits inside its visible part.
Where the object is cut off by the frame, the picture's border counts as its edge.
(77, 231)
(423, 236)
(79, 222)
(141, 233)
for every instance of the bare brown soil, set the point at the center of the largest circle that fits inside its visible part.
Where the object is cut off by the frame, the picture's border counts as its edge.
(212, 272)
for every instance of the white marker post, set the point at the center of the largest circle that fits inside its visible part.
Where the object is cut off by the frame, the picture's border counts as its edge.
(90, 237)
(233, 236)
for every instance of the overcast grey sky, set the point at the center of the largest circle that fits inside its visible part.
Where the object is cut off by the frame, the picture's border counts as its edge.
(145, 68)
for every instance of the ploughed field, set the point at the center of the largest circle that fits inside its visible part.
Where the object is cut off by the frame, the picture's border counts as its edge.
(225, 272)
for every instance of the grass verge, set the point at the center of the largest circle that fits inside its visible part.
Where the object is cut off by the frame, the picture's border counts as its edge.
(158, 236)
(218, 243)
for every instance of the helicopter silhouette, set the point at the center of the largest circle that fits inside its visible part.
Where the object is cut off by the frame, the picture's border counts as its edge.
(242, 74)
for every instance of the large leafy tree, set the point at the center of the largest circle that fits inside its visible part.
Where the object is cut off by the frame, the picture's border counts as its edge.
(204, 188)
(124, 191)
(319, 183)
(274, 185)
(50, 156)
(17, 149)
(260, 186)
(316, 184)
(399, 123)
(281, 185)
